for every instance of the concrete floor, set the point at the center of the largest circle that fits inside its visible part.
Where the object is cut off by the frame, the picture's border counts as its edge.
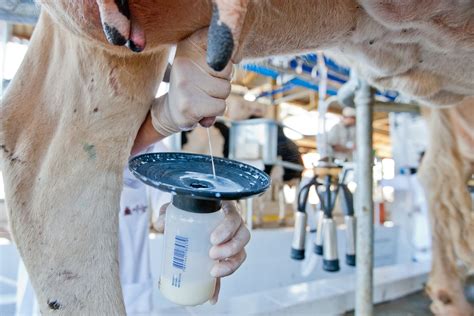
(416, 304)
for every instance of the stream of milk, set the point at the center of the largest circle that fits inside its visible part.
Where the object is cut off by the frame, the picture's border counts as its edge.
(210, 152)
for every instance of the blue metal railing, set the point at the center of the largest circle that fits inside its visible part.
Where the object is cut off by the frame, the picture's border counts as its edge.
(337, 76)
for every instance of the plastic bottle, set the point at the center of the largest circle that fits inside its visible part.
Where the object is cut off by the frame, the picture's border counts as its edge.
(185, 278)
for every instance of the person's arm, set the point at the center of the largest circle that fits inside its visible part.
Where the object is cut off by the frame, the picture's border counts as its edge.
(341, 149)
(333, 135)
(146, 136)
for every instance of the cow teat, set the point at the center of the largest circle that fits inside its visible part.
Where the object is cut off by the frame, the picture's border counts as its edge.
(113, 35)
(54, 304)
(115, 18)
(133, 47)
(224, 31)
(220, 43)
(119, 25)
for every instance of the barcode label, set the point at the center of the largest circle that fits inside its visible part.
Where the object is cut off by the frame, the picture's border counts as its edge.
(180, 252)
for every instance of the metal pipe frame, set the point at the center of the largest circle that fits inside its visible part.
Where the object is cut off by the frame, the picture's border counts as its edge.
(19, 11)
(364, 100)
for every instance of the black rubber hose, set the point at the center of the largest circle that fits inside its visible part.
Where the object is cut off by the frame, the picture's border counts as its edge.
(302, 199)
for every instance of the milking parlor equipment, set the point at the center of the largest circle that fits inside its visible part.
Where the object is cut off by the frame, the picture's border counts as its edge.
(362, 95)
(329, 183)
(197, 194)
(256, 141)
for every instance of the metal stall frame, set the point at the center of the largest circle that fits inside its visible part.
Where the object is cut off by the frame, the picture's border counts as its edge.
(364, 101)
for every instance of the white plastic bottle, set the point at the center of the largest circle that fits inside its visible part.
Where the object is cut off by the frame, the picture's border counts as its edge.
(185, 276)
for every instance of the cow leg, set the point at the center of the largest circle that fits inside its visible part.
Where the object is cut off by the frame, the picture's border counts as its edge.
(446, 284)
(443, 174)
(67, 124)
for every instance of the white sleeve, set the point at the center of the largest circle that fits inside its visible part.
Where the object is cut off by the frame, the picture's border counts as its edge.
(157, 198)
(334, 135)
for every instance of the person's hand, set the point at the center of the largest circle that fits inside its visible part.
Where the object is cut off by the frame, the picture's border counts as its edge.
(228, 241)
(158, 224)
(196, 94)
(350, 146)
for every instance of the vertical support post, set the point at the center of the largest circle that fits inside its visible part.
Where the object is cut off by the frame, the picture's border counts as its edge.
(364, 98)
(5, 32)
(276, 83)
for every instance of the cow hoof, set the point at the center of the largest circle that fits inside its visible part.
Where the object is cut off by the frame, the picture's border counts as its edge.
(445, 303)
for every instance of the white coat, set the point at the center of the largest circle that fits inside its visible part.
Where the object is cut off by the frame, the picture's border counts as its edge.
(344, 136)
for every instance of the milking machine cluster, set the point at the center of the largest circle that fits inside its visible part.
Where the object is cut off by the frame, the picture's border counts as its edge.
(329, 182)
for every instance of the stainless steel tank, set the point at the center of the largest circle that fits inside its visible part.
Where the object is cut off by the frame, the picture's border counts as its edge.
(254, 139)
(318, 241)
(299, 236)
(350, 240)
(330, 254)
